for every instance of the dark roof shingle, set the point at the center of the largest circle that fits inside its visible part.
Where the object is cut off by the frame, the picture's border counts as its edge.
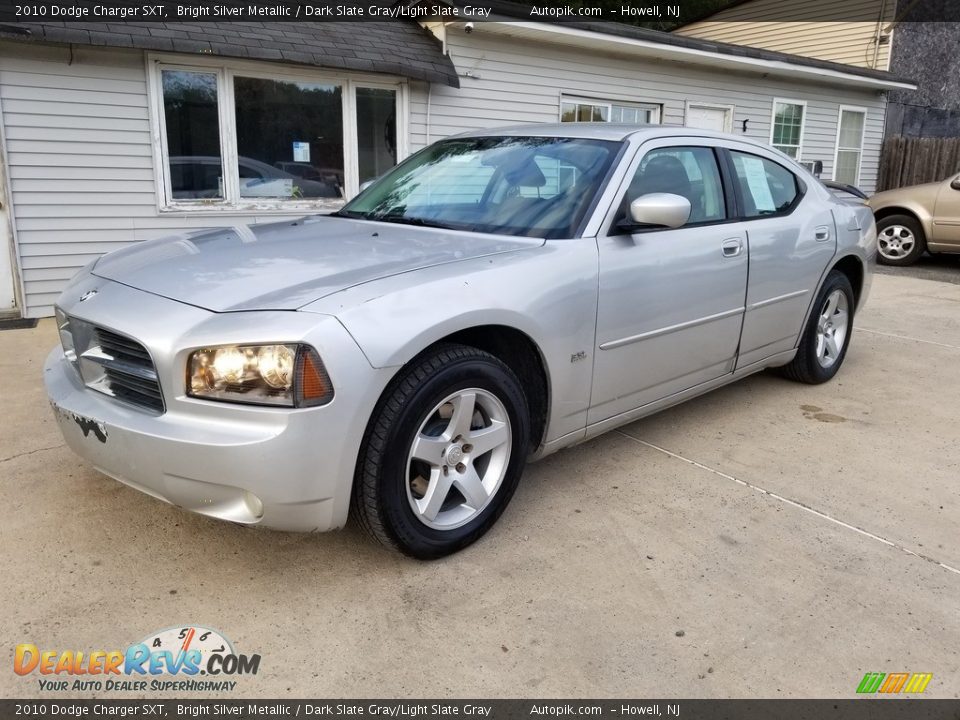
(396, 48)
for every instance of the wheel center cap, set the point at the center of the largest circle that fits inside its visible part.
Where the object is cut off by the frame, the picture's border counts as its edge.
(454, 454)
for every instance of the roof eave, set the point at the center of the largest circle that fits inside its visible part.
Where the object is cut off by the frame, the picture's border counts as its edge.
(677, 53)
(442, 71)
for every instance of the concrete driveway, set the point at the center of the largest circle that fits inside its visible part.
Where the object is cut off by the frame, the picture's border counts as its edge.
(767, 540)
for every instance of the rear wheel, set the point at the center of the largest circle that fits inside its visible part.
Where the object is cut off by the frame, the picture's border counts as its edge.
(443, 454)
(823, 346)
(900, 240)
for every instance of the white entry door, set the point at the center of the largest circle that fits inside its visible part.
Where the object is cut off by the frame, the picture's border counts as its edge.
(8, 298)
(709, 117)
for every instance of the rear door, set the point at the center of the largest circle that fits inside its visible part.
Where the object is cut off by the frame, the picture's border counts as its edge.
(792, 238)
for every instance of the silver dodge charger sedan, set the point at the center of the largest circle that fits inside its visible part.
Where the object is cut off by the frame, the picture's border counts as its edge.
(498, 296)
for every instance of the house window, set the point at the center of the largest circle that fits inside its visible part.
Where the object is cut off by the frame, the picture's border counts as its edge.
(235, 139)
(786, 134)
(581, 110)
(849, 145)
(376, 131)
(193, 134)
(289, 138)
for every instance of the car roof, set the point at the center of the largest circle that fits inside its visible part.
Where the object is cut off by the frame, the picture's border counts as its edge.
(599, 131)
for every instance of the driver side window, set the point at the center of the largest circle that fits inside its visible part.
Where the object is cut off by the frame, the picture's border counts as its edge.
(691, 172)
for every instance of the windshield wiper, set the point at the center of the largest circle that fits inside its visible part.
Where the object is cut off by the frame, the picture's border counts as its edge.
(415, 221)
(399, 219)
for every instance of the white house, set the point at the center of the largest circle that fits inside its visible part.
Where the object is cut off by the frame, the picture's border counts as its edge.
(115, 133)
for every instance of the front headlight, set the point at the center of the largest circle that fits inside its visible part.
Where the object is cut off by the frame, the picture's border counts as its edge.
(287, 375)
(66, 336)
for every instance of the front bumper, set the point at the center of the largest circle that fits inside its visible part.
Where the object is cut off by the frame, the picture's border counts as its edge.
(287, 469)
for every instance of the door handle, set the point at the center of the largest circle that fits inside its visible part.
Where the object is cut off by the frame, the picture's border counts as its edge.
(822, 233)
(732, 247)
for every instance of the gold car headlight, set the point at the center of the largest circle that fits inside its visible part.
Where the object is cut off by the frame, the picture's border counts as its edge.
(281, 374)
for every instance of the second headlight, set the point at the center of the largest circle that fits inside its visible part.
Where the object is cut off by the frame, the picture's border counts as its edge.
(279, 374)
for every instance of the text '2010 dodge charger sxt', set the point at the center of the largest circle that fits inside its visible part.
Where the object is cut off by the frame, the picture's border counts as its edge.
(497, 296)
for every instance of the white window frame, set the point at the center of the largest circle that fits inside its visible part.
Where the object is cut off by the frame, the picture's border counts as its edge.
(803, 122)
(863, 134)
(608, 103)
(728, 109)
(226, 69)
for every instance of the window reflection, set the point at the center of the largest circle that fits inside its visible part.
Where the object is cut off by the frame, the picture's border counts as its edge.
(289, 138)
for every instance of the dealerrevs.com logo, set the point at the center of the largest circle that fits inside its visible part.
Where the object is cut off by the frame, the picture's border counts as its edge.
(192, 658)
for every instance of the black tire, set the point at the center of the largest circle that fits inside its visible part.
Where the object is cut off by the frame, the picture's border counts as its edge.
(380, 503)
(910, 224)
(806, 366)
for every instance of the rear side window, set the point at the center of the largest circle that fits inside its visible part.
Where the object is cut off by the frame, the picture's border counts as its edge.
(766, 187)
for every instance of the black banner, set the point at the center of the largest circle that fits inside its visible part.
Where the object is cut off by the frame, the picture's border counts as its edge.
(663, 14)
(857, 709)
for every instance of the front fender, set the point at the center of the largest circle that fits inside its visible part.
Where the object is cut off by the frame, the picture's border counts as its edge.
(549, 293)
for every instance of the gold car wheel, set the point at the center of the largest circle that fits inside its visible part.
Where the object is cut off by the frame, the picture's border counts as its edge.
(895, 242)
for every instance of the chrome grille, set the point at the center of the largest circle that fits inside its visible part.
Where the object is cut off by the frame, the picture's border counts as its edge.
(123, 348)
(111, 363)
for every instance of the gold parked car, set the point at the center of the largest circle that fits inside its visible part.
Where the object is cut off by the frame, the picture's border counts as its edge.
(917, 218)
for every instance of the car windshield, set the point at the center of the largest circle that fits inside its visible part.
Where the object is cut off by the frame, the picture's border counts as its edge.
(530, 186)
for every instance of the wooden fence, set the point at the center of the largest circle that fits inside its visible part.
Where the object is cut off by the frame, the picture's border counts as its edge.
(911, 161)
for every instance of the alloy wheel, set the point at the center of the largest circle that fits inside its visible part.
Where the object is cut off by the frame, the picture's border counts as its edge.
(458, 459)
(832, 327)
(896, 242)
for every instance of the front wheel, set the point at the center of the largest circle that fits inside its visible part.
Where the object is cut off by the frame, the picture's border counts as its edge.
(443, 452)
(824, 343)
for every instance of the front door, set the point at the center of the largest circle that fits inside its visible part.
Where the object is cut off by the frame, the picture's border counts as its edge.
(671, 300)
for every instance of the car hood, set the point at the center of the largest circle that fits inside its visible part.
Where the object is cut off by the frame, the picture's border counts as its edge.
(284, 266)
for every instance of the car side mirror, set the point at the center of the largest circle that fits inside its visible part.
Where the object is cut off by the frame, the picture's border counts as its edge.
(955, 184)
(660, 210)
(368, 183)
